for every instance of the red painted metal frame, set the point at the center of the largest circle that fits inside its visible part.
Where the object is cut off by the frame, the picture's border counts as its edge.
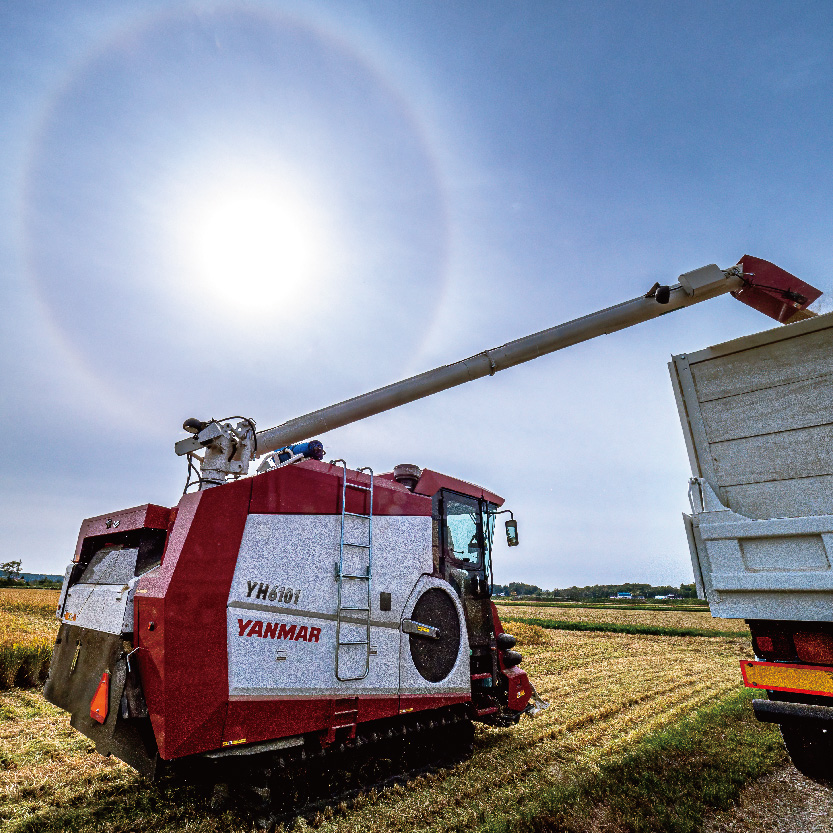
(147, 516)
(432, 481)
(519, 688)
(313, 488)
(826, 669)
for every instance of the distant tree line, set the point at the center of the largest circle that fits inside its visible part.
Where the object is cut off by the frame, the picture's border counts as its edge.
(596, 591)
(12, 576)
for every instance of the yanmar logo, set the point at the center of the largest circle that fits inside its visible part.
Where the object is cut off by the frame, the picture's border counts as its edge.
(278, 630)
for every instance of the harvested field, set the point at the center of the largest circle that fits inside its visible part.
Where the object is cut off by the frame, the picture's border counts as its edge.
(608, 694)
(667, 606)
(27, 633)
(677, 619)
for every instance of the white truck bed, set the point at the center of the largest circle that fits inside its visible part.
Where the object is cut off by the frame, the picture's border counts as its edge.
(757, 415)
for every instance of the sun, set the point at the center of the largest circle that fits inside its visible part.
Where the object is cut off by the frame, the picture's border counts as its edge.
(254, 244)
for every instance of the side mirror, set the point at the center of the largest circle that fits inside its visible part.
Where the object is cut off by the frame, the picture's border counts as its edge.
(512, 533)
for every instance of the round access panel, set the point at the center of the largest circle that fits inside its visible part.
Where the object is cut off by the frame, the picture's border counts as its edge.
(434, 658)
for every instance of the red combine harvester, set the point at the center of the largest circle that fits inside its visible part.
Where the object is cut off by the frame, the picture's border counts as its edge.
(312, 618)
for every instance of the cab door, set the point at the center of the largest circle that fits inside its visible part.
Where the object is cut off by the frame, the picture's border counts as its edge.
(464, 563)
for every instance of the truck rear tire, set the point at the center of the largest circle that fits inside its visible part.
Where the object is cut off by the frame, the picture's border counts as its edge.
(811, 751)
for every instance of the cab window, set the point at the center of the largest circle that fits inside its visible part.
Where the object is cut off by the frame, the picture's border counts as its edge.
(463, 532)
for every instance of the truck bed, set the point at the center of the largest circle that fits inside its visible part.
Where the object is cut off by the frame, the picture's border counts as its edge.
(757, 415)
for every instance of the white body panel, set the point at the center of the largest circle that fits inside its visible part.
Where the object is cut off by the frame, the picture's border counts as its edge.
(286, 575)
(103, 598)
(757, 414)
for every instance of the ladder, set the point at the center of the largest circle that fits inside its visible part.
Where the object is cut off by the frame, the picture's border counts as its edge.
(354, 614)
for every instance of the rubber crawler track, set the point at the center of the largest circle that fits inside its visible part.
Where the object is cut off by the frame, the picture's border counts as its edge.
(277, 787)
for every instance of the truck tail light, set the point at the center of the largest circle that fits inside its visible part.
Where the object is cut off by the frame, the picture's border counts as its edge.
(101, 699)
(774, 647)
(814, 647)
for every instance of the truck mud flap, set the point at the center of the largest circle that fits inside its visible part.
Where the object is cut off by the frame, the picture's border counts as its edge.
(79, 660)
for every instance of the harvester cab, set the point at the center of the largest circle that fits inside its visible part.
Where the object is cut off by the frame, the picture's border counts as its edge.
(311, 609)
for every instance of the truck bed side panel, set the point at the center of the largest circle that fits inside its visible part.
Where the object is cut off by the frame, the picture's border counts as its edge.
(757, 414)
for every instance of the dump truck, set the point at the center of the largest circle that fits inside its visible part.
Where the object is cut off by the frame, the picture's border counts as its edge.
(280, 625)
(757, 415)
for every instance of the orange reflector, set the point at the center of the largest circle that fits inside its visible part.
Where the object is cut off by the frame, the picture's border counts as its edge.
(101, 699)
(779, 676)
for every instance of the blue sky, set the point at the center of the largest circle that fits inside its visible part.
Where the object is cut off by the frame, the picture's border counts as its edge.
(264, 208)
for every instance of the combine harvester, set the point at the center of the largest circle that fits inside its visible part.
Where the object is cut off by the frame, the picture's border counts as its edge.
(275, 629)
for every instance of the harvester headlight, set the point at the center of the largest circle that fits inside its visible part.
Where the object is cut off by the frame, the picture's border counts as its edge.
(193, 425)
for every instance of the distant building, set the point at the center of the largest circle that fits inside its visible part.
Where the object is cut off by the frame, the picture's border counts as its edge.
(623, 596)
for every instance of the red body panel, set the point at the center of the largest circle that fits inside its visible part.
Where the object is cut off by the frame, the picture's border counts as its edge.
(255, 720)
(420, 702)
(432, 481)
(262, 718)
(313, 488)
(184, 663)
(374, 708)
(519, 689)
(147, 516)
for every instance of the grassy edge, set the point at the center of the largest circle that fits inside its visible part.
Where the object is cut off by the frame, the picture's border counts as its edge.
(667, 782)
(25, 666)
(612, 627)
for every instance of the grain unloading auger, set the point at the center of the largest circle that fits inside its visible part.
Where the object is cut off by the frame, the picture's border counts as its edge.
(756, 282)
(277, 621)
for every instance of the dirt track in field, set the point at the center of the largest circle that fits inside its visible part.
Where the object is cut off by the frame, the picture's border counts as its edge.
(782, 802)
